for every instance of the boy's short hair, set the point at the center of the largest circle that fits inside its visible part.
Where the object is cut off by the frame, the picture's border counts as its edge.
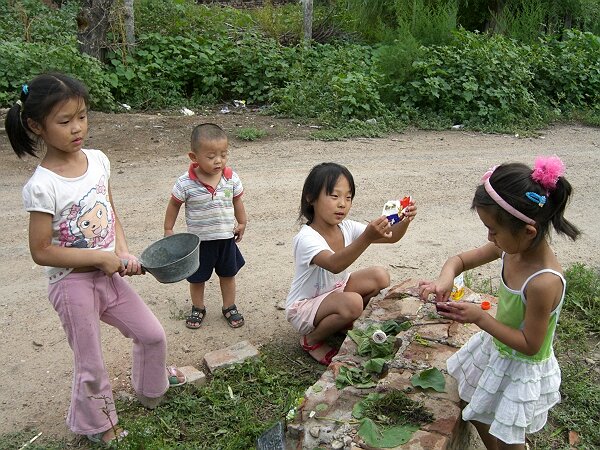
(206, 132)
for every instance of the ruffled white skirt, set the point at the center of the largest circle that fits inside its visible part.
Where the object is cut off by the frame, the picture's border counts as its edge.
(510, 395)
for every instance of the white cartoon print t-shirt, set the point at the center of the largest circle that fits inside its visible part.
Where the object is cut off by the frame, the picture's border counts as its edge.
(82, 216)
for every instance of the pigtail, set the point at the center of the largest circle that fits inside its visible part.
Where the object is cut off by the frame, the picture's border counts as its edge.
(17, 130)
(559, 198)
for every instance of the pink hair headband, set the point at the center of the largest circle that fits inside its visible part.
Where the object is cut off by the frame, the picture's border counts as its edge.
(503, 204)
(546, 172)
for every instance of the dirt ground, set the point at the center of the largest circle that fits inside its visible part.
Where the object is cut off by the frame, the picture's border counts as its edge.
(439, 169)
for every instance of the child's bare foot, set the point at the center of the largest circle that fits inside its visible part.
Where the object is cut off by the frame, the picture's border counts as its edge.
(319, 351)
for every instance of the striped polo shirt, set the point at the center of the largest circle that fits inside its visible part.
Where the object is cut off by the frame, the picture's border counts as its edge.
(208, 211)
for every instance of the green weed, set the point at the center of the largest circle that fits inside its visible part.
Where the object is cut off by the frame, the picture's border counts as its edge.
(250, 134)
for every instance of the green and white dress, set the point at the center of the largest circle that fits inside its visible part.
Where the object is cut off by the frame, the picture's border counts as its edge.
(505, 389)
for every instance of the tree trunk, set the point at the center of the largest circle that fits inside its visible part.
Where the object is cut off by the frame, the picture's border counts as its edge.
(308, 18)
(129, 24)
(92, 25)
(496, 8)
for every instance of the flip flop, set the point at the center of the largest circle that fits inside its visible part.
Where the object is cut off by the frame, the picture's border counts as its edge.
(174, 377)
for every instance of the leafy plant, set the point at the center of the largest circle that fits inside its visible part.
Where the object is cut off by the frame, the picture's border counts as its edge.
(389, 420)
(250, 134)
(430, 378)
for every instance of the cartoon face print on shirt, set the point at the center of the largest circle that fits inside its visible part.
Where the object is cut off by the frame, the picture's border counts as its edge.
(89, 223)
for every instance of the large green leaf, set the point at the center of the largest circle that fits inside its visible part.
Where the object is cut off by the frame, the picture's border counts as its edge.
(391, 437)
(430, 378)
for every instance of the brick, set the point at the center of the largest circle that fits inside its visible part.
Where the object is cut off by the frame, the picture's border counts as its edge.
(433, 331)
(423, 440)
(193, 375)
(233, 354)
(406, 288)
(447, 416)
(459, 333)
(393, 308)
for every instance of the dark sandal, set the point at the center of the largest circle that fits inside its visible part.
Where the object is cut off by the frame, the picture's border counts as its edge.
(194, 320)
(232, 315)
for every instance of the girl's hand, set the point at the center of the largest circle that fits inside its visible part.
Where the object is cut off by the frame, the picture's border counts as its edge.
(411, 211)
(378, 228)
(439, 289)
(109, 262)
(463, 312)
(133, 266)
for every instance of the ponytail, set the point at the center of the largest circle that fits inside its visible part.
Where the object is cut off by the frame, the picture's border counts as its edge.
(559, 198)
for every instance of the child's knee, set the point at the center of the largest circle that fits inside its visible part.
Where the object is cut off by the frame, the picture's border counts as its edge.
(382, 277)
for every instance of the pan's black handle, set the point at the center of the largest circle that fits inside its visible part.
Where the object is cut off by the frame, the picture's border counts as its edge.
(126, 261)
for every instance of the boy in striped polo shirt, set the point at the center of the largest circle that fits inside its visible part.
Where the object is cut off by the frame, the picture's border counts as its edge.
(212, 194)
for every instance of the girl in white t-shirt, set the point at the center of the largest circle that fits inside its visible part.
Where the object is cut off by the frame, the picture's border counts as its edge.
(75, 232)
(324, 298)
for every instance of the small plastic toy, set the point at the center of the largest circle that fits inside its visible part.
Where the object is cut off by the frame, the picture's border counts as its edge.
(458, 288)
(394, 209)
(485, 305)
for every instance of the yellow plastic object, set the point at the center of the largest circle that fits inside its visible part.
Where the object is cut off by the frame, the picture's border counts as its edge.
(458, 289)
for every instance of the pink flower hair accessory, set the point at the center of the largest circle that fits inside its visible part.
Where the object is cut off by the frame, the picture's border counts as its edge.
(547, 170)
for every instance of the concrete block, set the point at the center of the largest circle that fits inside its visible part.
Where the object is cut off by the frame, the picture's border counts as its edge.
(228, 356)
(193, 375)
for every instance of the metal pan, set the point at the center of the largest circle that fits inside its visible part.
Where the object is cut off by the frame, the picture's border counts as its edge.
(172, 258)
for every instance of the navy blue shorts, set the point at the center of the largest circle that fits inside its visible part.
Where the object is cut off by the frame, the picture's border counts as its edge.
(222, 255)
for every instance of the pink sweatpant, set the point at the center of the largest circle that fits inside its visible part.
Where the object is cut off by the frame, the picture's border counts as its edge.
(82, 300)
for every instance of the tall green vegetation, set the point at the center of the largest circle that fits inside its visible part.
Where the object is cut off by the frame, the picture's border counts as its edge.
(408, 60)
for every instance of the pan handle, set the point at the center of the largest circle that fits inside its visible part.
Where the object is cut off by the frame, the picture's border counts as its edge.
(125, 262)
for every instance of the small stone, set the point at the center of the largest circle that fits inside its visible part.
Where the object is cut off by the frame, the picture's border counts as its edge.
(315, 431)
(337, 445)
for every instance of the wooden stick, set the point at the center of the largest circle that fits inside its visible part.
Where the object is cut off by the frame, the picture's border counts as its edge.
(31, 440)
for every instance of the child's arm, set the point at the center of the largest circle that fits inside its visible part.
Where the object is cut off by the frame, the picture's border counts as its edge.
(46, 254)
(133, 267)
(171, 216)
(241, 218)
(399, 229)
(456, 265)
(342, 259)
(542, 293)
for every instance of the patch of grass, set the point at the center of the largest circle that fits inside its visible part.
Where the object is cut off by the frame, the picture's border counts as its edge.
(231, 411)
(396, 408)
(370, 128)
(250, 134)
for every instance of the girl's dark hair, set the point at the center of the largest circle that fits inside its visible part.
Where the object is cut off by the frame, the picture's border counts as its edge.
(512, 181)
(322, 176)
(36, 102)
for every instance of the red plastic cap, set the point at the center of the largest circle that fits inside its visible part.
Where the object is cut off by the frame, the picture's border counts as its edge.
(486, 305)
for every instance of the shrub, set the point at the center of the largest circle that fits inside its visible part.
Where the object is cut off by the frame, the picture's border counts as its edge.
(567, 71)
(331, 83)
(23, 61)
(484, 80)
